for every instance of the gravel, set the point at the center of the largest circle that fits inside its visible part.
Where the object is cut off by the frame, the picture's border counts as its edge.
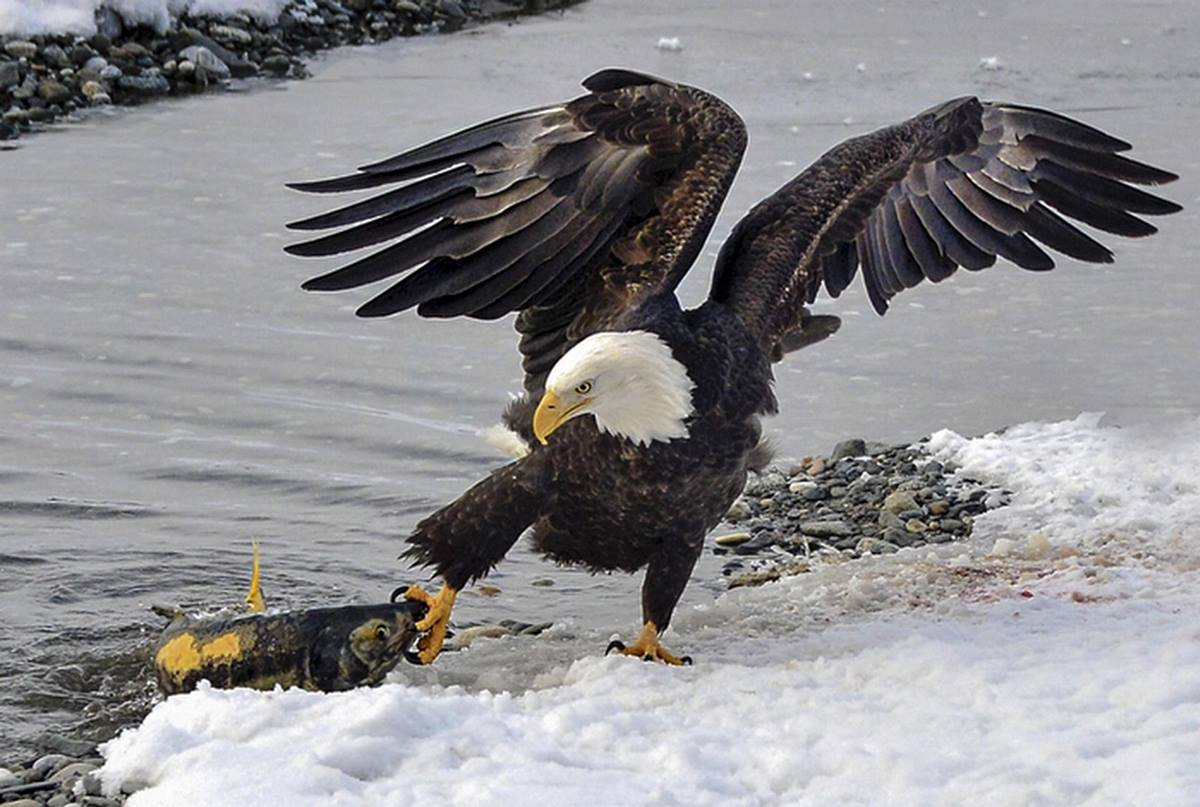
(53, 77)
(862, 499)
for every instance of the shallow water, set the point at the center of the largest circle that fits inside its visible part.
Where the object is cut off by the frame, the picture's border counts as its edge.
(168, 394)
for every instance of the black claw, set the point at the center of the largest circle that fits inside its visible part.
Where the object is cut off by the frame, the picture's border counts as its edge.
(687, 661)
(615, 644)
(398, 593)
(412, 657)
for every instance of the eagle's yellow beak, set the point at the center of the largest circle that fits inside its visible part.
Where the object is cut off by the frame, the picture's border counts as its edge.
(551, 414)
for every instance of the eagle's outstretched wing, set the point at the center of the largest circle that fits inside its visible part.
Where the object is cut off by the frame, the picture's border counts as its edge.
(570, 214)
(957, 185)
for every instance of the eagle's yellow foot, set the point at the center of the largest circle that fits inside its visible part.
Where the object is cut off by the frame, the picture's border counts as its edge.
(648, 648)
(435, 623)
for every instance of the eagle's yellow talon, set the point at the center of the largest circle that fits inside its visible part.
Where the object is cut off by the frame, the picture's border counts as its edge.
(436, 621)
(648, 648)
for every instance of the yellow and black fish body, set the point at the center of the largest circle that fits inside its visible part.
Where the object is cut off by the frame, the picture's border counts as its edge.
(324, 649)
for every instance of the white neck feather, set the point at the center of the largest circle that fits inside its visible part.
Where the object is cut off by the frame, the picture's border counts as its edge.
(639, 390)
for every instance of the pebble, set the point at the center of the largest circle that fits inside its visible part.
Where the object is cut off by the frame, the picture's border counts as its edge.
(48, 763)
(72, 771)
(20, 49)
(10, 75)
(144, 86)
(732, 539)
(204, 59)
(848, 448)
(900, 501)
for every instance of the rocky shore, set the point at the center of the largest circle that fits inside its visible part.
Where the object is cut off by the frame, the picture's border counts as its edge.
(63, 775)
(862, 499)
(50, 77)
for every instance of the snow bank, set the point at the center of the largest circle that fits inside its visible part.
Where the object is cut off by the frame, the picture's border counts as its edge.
(1063, 669)
(27, 17)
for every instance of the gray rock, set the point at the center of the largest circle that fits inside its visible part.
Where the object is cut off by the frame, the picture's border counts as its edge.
(185, 69)
(109, 23)
(207, 63)
(20, 49)
(738, 511)
(900, 501)
(55, 57)
(277, 65)
(91, 784)
(99, 801)
(937, 538)
(951, 525)
(890, 520)
(875, 546)
(7, 777)
(236, 64)
(27, 89)
(10, 75)
(144, 86)
(847, 449)
(111, 73)
(901, 537)
(59, 800)
(826, 529)
(53, 92)
(15, 116)
(95, 64)
(915, 525)
(44, 764)
(905, 515)
(452, 8)
(815, 494)
(71, 772)
(230, 35)
(23, 803)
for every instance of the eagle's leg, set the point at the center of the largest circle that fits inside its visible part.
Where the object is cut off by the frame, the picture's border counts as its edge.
(666, 577)
(436, 621)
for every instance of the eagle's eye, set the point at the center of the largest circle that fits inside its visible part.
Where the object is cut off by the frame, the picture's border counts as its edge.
(381, 632)
(583, 387)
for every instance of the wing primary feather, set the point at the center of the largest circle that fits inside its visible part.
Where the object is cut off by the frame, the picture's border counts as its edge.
(1054, 232)
(1026, 120)
(1106, 192)
(1102, 218)
(432, 281)
(391, 260)
(427, 190)
(509, 129)
(378, 230)
(1112, 166)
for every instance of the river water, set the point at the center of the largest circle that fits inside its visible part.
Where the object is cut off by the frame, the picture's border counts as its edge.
(168, 394)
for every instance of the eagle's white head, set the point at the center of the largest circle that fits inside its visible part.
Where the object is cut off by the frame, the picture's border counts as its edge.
(627, 380)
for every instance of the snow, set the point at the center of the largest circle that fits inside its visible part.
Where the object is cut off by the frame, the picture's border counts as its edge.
(1053, 659)
(27, 17)
(670, 43)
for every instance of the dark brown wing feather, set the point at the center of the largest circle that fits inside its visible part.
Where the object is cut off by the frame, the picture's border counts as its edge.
(958, 185)
(570, 214)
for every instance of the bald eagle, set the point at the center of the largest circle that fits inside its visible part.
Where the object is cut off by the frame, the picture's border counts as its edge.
(582, 217)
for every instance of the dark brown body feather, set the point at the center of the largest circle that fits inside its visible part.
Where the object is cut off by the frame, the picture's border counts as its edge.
(585, 216)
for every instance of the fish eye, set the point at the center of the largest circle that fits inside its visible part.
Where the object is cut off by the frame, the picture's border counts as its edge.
(583, 387)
